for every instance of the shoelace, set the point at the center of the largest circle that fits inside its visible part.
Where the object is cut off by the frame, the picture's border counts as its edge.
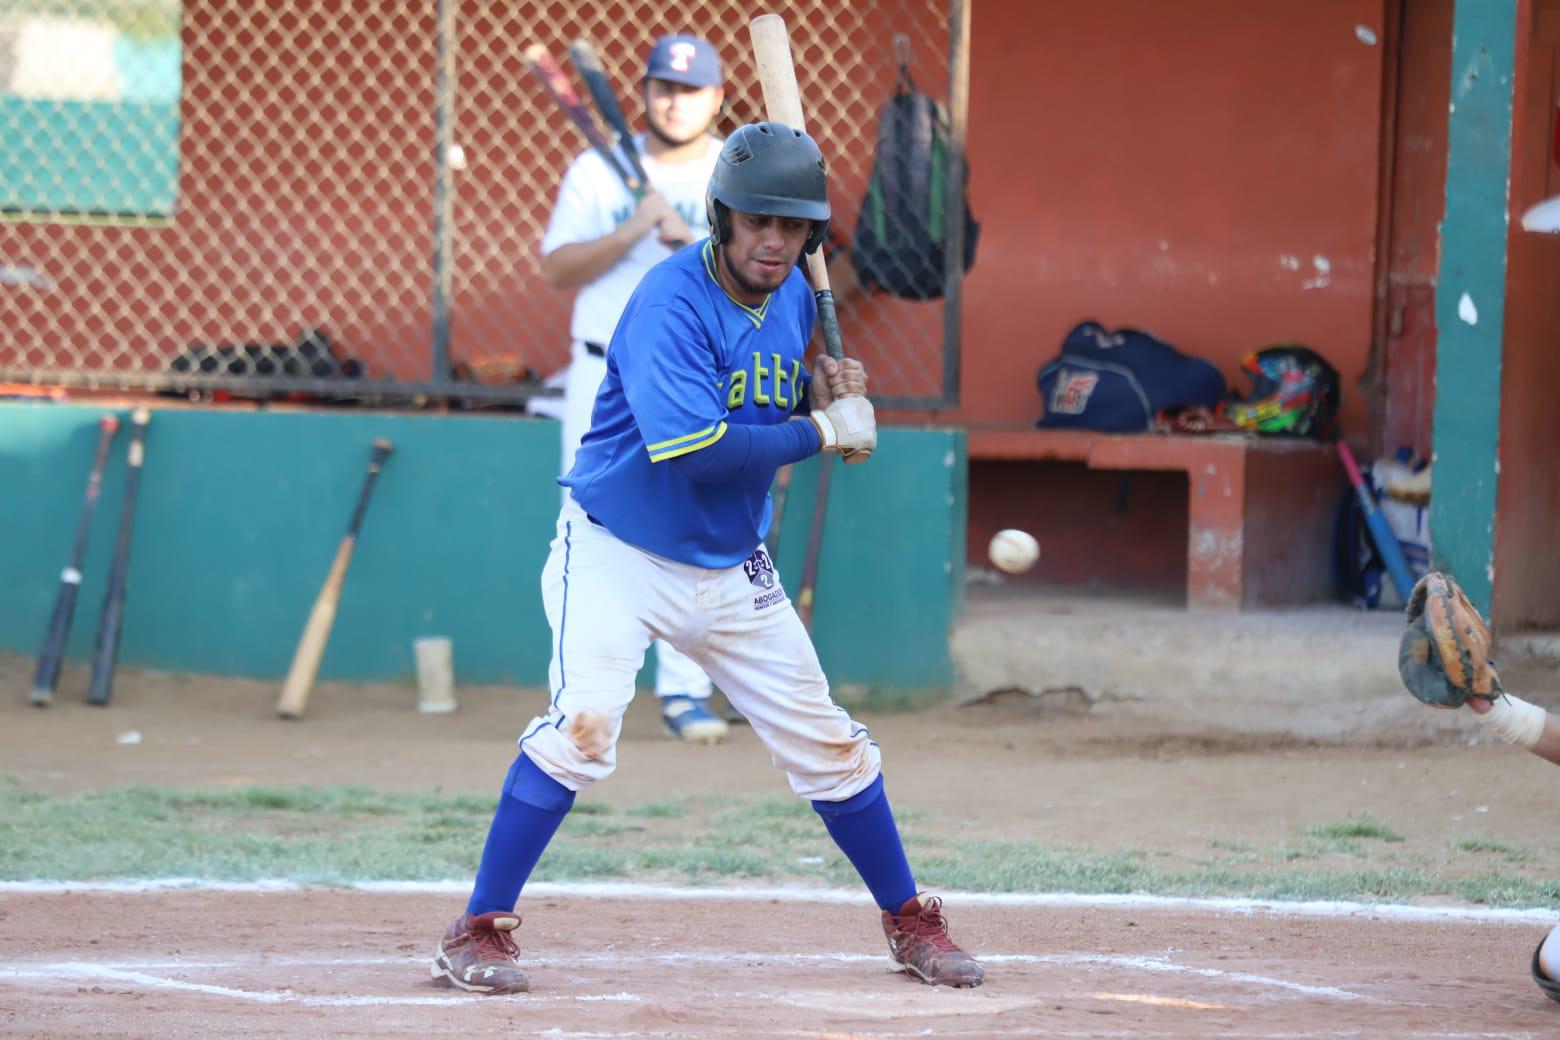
(932, 926)
(491, 944)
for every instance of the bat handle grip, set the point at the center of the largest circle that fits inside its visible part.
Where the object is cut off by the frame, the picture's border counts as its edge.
(831, 324)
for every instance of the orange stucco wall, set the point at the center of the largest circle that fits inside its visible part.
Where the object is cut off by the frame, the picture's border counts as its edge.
(1204, 170)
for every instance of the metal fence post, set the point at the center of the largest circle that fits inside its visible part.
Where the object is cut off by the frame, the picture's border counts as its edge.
(953, 206)
(443, 195)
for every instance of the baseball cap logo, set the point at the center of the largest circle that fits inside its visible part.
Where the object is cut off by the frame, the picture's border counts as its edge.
(682, 56)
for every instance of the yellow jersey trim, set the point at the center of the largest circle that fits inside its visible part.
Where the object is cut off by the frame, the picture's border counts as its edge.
(754, 314)
(686, 445)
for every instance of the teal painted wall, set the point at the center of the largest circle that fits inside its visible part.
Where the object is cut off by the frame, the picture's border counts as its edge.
(241, 512)
(1471, 294)
(90, 156)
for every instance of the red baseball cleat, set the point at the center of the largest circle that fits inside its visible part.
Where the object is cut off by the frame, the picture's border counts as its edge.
(478, 954)
(919, 945)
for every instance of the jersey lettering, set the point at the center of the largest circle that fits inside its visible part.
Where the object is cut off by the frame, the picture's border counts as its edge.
(780, 397)
(759, 372)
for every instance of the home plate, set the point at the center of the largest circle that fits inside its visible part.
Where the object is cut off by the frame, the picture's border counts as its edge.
(912, 1003)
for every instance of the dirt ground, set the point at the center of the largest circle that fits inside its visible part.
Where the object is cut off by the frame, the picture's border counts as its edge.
(1110, 760)
(343, 964)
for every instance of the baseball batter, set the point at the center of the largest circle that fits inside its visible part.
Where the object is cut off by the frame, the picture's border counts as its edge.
(1444, 661)
(706, 395)
(601, 242)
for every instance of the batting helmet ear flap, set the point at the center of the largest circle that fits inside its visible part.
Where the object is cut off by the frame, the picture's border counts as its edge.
(719, 218)
(815, 237)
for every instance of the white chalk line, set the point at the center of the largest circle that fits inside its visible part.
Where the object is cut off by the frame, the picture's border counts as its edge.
(85, 970)
(138, 971)
(793, 893)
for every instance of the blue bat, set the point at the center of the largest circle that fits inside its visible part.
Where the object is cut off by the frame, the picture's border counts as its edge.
(1380, 531)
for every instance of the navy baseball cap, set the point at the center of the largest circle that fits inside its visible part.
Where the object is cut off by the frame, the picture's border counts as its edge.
(685, 59)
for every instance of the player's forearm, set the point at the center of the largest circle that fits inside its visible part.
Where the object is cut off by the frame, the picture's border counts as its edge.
(749, 451)
(1548, 746)
(580, 263)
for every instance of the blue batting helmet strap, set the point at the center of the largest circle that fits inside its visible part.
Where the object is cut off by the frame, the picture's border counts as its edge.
(773, 170)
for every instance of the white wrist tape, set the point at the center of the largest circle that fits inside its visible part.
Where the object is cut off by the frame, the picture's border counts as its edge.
(1515, 721)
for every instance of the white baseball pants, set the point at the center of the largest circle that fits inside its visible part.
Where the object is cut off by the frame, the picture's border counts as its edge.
(606, 600)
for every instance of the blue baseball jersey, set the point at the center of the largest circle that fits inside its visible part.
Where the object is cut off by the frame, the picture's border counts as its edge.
(686, 361)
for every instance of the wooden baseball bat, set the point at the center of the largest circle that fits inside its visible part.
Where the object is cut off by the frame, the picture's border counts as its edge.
(563, 94)
(53, 652)
(783, 104)
(101, 686)
(316, 631)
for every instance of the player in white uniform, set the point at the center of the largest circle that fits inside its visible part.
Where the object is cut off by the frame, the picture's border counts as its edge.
(706, 396)
(602, 243)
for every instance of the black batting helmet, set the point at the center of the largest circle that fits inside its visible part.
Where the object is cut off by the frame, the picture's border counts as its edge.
(774, 170)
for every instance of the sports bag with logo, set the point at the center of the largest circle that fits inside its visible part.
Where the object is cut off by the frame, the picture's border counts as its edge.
(1119, 381)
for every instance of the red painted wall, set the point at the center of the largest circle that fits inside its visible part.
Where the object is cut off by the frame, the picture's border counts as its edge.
(307, 171)
(1527, 529)
(1205, 170)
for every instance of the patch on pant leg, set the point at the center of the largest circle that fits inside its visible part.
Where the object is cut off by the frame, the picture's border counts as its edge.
(591, 732)
(760, 571)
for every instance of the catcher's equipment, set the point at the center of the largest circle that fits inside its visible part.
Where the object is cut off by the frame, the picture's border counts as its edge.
(1444, 654)
(1550, 987)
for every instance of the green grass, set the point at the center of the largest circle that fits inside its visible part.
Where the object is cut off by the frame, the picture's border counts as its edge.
(1512, 853)
(1360, 826)
(333, 835)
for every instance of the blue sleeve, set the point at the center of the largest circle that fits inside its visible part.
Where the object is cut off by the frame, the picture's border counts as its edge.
(749, 451)
(666, 364)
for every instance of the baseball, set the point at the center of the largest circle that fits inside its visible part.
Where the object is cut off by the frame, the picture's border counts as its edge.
(1014, 551)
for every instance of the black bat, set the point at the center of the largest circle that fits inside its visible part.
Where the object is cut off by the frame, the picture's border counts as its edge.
(562, 92)
(53, 652)
(777, 512)
(805, 595)
(583, 54)
(110, 623)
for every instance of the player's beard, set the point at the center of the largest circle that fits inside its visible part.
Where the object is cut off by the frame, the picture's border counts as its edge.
(748, 286)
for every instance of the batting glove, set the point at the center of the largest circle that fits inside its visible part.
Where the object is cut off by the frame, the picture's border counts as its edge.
(848, 427)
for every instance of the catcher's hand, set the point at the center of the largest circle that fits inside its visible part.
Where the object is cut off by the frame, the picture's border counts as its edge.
(1444, 653)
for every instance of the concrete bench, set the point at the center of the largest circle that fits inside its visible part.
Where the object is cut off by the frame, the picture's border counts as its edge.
(1260, 509)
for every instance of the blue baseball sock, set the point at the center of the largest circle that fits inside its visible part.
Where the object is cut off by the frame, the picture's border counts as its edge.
(864, 829)
(529, 811)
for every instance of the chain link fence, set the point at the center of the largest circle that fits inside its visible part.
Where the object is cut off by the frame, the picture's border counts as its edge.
(343, 200)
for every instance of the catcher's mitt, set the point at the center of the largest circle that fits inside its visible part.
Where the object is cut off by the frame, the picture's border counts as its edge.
(1444, 653)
